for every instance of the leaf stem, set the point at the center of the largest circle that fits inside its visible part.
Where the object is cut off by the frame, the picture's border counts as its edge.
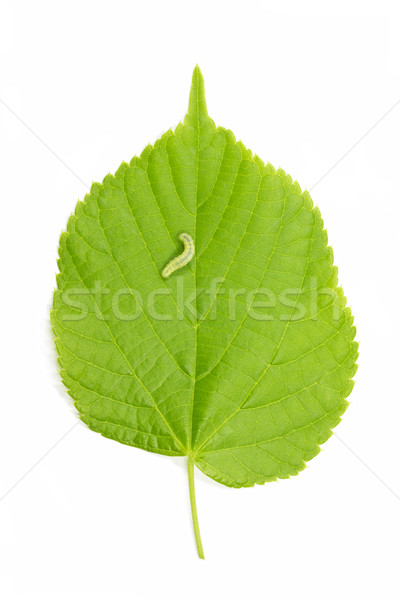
(194, 507)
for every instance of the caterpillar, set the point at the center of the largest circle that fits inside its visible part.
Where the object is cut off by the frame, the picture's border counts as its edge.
(183, 259)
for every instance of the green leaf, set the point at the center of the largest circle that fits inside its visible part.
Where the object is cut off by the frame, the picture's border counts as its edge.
(242, 359)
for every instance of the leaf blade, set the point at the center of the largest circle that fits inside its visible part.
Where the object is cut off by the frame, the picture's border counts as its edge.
(250, 400)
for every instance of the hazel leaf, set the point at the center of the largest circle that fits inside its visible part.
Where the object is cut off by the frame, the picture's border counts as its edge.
(241, 358)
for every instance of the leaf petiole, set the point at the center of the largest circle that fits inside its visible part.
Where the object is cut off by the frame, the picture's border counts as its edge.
(194, 508)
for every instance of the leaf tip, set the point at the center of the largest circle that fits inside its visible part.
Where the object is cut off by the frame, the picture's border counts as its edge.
(197, 100)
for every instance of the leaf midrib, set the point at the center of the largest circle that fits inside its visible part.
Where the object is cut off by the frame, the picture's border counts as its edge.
(195, 272)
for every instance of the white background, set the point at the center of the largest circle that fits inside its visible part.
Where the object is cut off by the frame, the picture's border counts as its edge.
(300, 83)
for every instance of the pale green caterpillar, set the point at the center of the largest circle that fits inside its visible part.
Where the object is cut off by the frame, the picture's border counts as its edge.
(183, 259)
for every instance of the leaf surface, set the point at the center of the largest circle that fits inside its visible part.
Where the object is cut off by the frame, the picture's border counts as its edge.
(249, 392)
